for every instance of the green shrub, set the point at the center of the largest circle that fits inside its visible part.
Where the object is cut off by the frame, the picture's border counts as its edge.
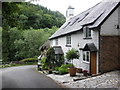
(44, 63)
(29, 60)
(56, 68)
(72, 54)
(67, 65)
(64, 68)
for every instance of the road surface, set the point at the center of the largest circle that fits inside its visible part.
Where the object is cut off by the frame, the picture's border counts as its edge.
(25, 77)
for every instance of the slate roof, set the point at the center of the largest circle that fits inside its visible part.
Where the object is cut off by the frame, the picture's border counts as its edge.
(58, 50)
(91, 47)
(92, 17)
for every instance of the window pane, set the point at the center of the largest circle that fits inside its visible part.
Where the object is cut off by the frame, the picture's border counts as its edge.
(84, 56)
(89, 33)
(68, 40)
(56, 42)
(87, 56)
(84, 31)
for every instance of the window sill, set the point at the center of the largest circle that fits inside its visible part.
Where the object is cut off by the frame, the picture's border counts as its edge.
(87, 38)
(86, 62)
(68, 45)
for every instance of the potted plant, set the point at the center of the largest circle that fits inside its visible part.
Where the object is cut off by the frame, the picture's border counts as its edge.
(70, 55)
(79, 70)
(85, 72)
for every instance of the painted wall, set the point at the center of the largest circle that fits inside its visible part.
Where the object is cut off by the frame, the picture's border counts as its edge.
(69, 14)
(109, 26)
(78, 41)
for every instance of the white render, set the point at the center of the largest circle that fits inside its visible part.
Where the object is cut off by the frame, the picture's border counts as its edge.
(78, 41)
(109, 26)
(69, 13)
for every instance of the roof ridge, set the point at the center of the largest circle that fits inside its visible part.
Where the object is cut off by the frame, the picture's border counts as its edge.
(87, 9)
(93, 17)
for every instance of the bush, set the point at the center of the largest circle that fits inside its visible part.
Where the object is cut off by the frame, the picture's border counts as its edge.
(62, 71)
(64, 68)
(50, 58)
(29, 60)
(53, 60)
(67, 65)
(44, 63)
(56, 68)
(72, 54)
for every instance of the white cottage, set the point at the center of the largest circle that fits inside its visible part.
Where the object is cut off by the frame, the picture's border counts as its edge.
(95, 33)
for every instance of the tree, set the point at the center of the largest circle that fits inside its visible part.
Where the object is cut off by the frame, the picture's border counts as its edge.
(0, 43)
(9, 19)
(25, 28)
(72, 54)
(28, 45)
(50, 57)
(53, 60)
(37, 17)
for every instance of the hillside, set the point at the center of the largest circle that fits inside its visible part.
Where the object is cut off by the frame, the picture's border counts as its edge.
(25, 28)
(29, 15)
(37, 16)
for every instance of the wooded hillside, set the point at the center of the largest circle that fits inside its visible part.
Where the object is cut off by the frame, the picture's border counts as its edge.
(25, 28)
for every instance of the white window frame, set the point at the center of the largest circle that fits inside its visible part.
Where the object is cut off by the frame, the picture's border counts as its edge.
(56, 41)
(87, 32)
(68, 40)
(86, 56)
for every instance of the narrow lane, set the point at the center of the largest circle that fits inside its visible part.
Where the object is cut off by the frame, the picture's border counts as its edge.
(25, 77)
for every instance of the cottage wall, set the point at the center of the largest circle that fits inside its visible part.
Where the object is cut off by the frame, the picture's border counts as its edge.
(110, 25)
(78, 41)
(110, 43)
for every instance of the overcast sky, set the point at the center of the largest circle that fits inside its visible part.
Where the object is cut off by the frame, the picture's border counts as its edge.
(62, 5)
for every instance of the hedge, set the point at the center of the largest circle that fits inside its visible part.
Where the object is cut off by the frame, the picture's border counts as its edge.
(29, 60)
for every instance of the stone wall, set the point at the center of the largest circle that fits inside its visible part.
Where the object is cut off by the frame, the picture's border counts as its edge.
(109, 53)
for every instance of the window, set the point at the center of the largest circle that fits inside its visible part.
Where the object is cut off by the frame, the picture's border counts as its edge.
(74, 21)
(86, 56)
(87, 32)
(66, 25)
(56, 41)
(68, 39)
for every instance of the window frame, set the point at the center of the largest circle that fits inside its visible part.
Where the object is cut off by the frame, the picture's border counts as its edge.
(68, 40)
(56, 41)
(86, 56)
(87, 32)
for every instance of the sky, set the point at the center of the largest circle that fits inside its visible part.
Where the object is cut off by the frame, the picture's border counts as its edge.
(62, 5)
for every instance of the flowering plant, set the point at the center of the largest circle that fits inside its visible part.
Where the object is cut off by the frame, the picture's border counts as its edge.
(85, 70)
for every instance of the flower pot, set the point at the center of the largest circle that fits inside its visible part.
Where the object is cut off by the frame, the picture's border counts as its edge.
(50, 71)
(85, 73)
(72, 71)
(79, 70)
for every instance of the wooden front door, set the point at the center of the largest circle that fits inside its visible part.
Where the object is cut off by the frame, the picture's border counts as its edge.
(93, 63)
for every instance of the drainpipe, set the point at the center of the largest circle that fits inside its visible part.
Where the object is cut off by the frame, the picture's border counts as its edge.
(119, 35)
(99, 59)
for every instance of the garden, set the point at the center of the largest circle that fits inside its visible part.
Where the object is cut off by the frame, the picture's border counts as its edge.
(53, 63)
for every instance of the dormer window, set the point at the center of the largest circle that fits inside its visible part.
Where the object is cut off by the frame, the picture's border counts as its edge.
(87, 32)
